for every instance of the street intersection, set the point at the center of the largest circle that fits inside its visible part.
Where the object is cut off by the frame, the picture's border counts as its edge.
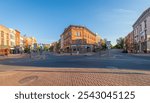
(63, 69)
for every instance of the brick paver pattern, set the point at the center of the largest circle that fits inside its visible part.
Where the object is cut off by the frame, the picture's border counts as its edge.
(73, 77)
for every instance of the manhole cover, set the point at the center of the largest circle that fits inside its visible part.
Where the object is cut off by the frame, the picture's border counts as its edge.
(28, 79)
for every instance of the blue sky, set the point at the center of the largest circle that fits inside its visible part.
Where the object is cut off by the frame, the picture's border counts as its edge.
(46, 19)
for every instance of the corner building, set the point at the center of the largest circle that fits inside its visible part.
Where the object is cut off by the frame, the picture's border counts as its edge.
(78, 38)
(141, 30)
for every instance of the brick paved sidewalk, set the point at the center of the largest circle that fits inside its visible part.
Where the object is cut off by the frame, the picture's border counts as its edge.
(73, 77)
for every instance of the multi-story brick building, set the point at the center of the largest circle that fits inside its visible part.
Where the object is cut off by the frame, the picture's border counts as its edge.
(129, 42)
(141, 30)
(4, 40)
(29, 42)
(4, 37)
(78, 38)
(17, 37)
(22, 47)
(12, 40)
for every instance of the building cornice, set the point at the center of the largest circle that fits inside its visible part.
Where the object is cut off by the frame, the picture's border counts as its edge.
(143, 15)
(78, 27)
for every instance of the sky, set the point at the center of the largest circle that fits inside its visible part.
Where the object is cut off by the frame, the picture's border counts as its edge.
(47, 19)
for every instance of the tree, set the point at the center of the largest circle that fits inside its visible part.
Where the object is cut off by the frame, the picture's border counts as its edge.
(46, 48)
(120, 43)
(58, 46)
(103, 44)
(51, 48)
(27, 50)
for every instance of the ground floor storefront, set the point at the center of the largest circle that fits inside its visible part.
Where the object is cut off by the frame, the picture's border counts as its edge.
(142, 47)
(79, 48)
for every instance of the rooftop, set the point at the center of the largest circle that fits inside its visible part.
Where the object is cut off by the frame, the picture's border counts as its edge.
(79, 26)
(147, 10)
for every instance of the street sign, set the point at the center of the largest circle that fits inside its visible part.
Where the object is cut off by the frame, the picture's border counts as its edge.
(108, 44)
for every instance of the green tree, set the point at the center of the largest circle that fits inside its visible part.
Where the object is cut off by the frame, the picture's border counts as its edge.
(46, 48)
(58, 46)
(27, 50)
(120, 43)
(51, 48)
(104, 44)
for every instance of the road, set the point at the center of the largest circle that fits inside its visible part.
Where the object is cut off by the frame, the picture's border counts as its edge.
(115, 69)
(115, 60)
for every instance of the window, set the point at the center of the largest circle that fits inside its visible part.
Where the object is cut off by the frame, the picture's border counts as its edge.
(12, 37)
(2, 34)
(140, 28)
(7, 42)
(2, 38)
(7, 36)
(145, 23)
(78, 34)
(69, 33)
(2, 42)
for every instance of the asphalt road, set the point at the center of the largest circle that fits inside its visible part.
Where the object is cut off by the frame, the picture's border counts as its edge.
(112, 60)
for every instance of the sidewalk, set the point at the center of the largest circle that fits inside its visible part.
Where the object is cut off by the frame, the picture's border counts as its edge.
(75, 54)
(30, 76)
(141, 54)
(13, 56)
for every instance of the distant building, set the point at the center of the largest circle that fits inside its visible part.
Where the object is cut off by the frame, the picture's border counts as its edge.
(12, 40)
(77, 38)
(129, 42)
(29, 42)
(141, 29)
(47, 45)
(98, 38)
(21, 41)
(22, 47)
(4, 37)
(4, 40)
(54, 45)
(17, 38)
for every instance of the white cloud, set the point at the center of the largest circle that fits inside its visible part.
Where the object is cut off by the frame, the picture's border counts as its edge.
(123, 11)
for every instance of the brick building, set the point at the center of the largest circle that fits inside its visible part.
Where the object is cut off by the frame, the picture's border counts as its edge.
(78, 38)
(129, 42)
(17, 37)
(4, 40)
(29, 42)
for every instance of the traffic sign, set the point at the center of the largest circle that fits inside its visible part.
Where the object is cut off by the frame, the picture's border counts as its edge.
(108, 44)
